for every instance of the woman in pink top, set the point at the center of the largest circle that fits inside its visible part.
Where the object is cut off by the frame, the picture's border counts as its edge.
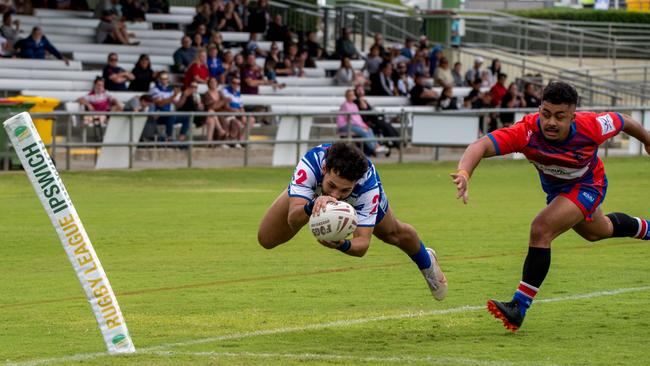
(357, 126)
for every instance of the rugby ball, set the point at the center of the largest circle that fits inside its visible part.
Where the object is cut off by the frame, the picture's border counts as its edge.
(335, 223)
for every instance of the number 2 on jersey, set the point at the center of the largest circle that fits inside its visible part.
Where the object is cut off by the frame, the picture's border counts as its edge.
(301, 176)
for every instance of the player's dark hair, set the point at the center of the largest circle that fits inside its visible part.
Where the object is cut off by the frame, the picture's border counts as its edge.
(559, 92)
(346, 160)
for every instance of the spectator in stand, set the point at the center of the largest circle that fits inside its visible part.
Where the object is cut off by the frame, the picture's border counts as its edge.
(133, 10)
(234, 103)
(345, 76)
(253, 47)
(512, 99)
(434, 59)
(197, 41)
(163, 95)
(421, 95)
(531, 96)
(201, 35)
(403, 81)
(344, 45)
(423, 42)
(143, 75)
(290, 61)
(495, 70)
(241, 8)
(373, 60)
(158, 6)
(376, 122)
(418, 63)
(382, 82)
(475, 71)
(5, 47)
(214, 102)
(499, 90)
(314, 48)
(269, 71)
(203, 15)
(447, 100)
(353, 123)
(278, 32)
(115, 77)
(252, 77)
(197, 71)
(485, 79)
(442, 76)
(280, 67)
(408, 50)
(10, 29)
(259, 17)
(217, 12)
(36, 45)
(216, 40)
(475, 93)
(184, 55)
(189, 101)
(230, 21)
(140, 103)
(457, 73)
(112, 31)
(215, 66)
(105, 6)
(379, 42)
(99, 100)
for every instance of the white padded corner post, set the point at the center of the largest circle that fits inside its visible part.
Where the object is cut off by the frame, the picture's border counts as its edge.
(286, 154)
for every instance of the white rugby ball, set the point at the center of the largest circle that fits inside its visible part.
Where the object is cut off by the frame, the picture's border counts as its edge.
(335, 223)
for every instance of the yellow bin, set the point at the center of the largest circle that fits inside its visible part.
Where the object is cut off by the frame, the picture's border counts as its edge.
(43, 126)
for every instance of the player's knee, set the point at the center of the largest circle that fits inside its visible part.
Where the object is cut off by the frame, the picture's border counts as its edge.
(265, 241)
(540, 233)
(591, 236)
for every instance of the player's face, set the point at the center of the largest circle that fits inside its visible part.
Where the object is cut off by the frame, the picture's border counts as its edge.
(336, 186)
(555, 120)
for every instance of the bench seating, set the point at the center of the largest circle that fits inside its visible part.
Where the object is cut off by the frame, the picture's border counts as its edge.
(47, 64)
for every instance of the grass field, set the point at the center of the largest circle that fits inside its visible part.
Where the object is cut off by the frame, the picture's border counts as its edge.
(180, 249)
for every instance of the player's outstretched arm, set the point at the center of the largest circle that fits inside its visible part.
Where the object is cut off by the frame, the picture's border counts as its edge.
(300, 209)
(636, 130)
(477, 150)
(357, 246)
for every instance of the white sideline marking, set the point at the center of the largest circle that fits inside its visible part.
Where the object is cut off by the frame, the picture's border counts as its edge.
(430, 360)
(338, 323)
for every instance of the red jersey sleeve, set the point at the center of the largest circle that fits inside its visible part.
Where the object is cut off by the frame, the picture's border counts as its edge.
(601, 126)
(514, 138)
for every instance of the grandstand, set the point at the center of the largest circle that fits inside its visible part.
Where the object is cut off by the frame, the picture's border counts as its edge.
(304, 105)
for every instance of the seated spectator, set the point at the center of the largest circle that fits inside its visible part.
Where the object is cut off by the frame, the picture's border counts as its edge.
(99, 100)
(105, 6)
(163, 95)
(353, 123)
(158, 6)
(456, 72)
(278, 32)
(423, 42)
(376, 122)
(531, 96)
(403, 81)
(345, 76)
(189, 101)
(382, 82)
(140, 103)
(214, 102)
(200, 37)
(314, 48)
(143, 75)
(236, 125)
(434, 59)
(512, 99)
(133, 10)
(373, 60)
(252, 47)
(184, 55)
(241, 8)
(499, 90)
(344, 45)
(110, 30)
(475, 72)
(280, 68)
(447, 100)
(10, 29)
(259, 17)
(216, 40)
(230, 21)
(290, 62)
(442, 76)
(485, 79)
(420, 94)
(252, 77)
(115, 77)
(202, 16)
(5, 47)
(215, 66)
(198, 71)
(408, 51)
(418, 64)
(379, 43)
(495, 70)
(475, 92)
(36, 45)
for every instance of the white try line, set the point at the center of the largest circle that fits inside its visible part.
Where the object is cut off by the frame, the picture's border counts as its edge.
(400, 360)
(317, 326)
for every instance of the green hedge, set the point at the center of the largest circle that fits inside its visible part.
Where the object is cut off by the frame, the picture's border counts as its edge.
(614, 16)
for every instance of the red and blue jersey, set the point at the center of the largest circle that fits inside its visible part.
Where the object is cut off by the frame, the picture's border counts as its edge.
(562, 164)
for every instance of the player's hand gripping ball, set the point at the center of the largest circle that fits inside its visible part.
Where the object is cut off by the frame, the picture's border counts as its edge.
(335, 223)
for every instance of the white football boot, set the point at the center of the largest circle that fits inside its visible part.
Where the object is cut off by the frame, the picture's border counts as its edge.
(435, 277)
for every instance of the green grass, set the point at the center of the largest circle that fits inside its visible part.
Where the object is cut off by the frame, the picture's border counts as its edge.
(179, 247)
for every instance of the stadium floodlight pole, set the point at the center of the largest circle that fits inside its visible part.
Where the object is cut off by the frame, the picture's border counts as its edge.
(57, 203)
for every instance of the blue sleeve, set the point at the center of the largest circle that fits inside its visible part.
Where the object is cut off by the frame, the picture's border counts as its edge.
(51, 49)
